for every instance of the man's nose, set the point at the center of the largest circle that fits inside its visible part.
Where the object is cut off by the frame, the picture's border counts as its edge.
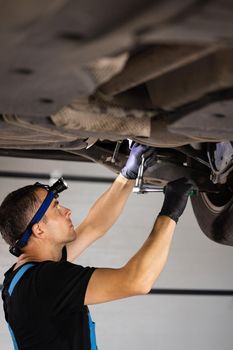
(67, 211)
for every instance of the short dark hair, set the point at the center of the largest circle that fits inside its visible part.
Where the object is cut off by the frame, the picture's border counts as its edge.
(16, 212)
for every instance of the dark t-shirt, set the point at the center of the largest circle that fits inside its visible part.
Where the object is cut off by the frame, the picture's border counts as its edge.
(46, 309)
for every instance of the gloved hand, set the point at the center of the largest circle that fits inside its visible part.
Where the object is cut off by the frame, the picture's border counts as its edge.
(130, 170)
(176, 197)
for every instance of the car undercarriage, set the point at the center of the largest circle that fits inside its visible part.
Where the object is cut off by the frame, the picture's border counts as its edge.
(79, 82)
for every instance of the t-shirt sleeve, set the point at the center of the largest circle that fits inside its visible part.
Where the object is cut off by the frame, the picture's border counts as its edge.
(62, 285)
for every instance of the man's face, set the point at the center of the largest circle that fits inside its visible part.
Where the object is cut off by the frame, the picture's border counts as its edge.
(57, 223)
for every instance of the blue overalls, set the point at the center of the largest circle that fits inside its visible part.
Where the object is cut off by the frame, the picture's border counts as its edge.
(13, 283)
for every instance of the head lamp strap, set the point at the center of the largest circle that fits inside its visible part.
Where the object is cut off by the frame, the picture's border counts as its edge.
(36, 218)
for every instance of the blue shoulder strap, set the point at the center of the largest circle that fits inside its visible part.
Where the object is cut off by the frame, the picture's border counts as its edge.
(13, 283)
(92, 332)
(17, 277)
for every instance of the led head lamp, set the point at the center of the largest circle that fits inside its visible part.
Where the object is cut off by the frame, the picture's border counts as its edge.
(59, 186)
(53, 192)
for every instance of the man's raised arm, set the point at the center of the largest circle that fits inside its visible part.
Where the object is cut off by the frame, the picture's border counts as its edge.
(108, 207)
(139, 274)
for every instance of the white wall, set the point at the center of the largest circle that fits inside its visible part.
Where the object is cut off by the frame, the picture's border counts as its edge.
(152, 321)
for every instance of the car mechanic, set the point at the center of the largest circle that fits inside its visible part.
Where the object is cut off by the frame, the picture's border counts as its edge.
(45, 295)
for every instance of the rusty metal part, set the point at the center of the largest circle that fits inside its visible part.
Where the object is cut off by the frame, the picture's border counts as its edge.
(193, 80)
(152, 63)
(96, 115)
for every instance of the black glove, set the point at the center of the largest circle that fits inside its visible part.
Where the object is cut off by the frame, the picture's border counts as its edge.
(176, 197)
(130, 170)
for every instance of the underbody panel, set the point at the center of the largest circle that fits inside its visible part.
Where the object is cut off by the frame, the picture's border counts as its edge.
(158, 72)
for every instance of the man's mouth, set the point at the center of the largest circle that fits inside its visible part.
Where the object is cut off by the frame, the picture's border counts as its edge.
(70, 224)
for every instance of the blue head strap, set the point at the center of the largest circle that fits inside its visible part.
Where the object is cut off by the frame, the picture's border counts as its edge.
(36, 218)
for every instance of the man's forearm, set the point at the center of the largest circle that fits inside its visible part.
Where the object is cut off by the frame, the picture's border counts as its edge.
(145, 266)
(108, 207)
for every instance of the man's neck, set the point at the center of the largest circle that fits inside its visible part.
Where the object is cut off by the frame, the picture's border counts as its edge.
(39, 255)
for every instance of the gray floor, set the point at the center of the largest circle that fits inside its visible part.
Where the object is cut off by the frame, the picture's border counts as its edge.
(152, 321)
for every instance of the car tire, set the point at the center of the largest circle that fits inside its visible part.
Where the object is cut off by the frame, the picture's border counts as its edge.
(214, 214)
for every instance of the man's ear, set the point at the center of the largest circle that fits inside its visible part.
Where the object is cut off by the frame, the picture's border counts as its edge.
(37, 230)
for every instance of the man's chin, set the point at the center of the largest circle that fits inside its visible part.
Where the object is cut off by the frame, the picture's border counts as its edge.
(73, 235)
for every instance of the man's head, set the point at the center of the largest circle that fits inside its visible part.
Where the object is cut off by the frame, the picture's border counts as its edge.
(20, 206)
(16, 211)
